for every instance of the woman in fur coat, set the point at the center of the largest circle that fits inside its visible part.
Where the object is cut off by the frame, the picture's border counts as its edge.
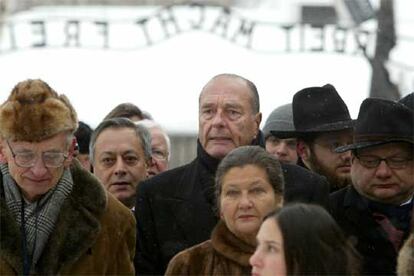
(405, 264)
(249, 184)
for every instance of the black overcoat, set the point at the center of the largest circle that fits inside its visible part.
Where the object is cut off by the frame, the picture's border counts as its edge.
(353, 215)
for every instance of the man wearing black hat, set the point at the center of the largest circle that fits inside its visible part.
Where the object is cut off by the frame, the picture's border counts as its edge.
(375, 211)
(322, 122)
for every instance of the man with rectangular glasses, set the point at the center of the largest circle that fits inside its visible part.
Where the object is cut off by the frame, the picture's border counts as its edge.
(375, 212)
(56, 218)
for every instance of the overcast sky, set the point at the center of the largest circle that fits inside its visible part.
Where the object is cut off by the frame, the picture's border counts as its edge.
(166, 78)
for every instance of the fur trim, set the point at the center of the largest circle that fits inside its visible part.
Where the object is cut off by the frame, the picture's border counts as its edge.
(230, 246)
(406, 257)
(76, 230)
(34, 112)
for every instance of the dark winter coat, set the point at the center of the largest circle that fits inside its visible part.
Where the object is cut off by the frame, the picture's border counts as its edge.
(223, 254)
(353, 215)
(175, 210)
(94, 234)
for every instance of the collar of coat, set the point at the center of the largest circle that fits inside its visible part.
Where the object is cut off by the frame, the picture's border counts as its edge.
(230, 246)
(212, 163)
(75, 231)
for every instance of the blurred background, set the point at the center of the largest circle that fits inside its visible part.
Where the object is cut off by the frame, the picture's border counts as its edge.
(158, 54)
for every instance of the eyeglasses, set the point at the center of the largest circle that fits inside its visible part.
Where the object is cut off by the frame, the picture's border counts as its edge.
(372, 162)
(28, 159)
(159, 155)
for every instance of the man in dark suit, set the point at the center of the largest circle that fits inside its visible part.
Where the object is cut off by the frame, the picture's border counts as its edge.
(375, 211)
(175, 210)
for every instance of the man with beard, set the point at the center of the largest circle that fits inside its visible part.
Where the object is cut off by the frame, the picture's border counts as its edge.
(322, 122)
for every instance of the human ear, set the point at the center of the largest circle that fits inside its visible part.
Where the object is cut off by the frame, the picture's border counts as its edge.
(258, 120)
(303, 150)
(71, 152)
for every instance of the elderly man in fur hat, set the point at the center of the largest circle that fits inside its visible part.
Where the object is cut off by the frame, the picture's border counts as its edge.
(375, 211)
(56, 218)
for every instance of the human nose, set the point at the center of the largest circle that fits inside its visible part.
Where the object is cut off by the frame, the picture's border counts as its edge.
(218, 119)
(154, 164)
(383, 170)
(281, 149)
(255, 259)
(120, 167)
(346, 156)
(39, 167)
(245, 201)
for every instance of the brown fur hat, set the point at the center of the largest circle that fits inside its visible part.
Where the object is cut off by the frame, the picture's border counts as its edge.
(34, 112)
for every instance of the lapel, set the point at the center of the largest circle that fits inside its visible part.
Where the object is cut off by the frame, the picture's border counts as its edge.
(10, 238)
(361, 220)
(75, 232)
(78, 225)
(194, 212)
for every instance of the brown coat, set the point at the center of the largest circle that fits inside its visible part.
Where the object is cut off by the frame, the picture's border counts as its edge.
(94, 234)
(406, 258)
(224, 254)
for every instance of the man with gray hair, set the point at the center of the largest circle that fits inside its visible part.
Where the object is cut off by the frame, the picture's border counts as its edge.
(160, 146)
(120, 152)
(175, 209)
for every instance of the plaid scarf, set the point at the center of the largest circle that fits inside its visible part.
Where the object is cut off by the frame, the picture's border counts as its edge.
(39, 217)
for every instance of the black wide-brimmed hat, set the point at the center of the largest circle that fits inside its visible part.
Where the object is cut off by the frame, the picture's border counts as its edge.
(319, 109)
(408, 100)
(381, 121)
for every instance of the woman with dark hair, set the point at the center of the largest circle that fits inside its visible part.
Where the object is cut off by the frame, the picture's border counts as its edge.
(302, 239)
(249, 185)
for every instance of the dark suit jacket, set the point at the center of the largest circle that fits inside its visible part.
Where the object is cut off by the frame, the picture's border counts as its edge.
(353, 215)
(175, 210)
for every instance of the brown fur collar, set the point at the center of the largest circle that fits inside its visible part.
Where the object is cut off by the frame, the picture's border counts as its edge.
(76, 230)
(230, 246)
(406, 257)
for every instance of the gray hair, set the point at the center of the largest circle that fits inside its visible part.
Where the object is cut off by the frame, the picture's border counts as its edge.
(149, 124)
(116, 123)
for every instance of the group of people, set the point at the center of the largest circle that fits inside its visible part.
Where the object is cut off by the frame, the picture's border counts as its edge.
(314, 192)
